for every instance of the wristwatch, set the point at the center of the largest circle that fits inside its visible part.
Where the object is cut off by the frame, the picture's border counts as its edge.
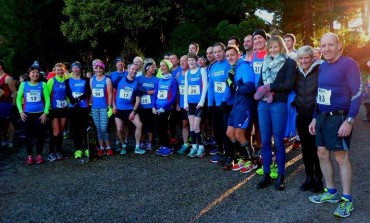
(350, 120)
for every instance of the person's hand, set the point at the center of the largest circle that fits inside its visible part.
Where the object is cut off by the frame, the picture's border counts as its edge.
(178, 108)
(199, 106)
(312, 127)
(114, 109)
(187, 109)
(132, 115)
(161, 110)
(261, 91)
(230, 83)
(23, 116)
(154, 111)
(345, 129)
(43, 118)
(269, 96)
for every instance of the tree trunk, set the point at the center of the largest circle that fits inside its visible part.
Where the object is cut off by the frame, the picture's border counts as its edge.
(308, 23)
(331, 12)
(365, 17)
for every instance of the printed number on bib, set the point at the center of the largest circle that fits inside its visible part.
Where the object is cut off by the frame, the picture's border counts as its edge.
(162, 94)
(76, 94)
(145, 99)
(33, 96)
(194, 90)
(323, 96)
(257, 67)
(220, 87)
(125, 94)
(98, 93)
(61, 103)
(182, 89)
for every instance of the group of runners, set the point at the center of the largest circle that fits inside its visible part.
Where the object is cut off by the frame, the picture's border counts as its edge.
(251, 103)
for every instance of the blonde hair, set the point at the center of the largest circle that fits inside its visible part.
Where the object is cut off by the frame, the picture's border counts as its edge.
(280, 41)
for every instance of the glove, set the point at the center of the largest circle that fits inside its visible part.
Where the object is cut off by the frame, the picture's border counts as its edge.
(161, 110)
(110, 112)
(269, 96)
(223, 106)
(261, 91)
(231, 85)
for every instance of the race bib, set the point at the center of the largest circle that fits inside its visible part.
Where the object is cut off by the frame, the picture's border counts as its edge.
(145, 99)
(61, 103)
(323, 96)
(194, 90)
(98, 93)
(33, 97)
(182, 89)
(76, 94)
(125, 94)
(162, 94)
(220, 87)
(257, 67)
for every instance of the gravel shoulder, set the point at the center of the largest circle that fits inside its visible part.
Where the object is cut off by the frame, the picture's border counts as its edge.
(148, 188)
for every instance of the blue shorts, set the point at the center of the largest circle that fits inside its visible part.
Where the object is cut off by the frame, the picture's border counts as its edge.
(240, 119)
(327, 127)
(5, 110)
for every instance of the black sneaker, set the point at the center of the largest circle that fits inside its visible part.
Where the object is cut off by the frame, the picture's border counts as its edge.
(228, 163)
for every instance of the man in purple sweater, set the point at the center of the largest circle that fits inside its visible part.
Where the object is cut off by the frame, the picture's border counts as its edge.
(338, 100)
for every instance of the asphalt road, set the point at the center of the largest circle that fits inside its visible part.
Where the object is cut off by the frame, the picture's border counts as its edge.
(148, 188)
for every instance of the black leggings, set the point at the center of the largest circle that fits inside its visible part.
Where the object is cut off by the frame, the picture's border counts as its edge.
(34, 130)
(309, 149)
(78, 120)
(162, 127)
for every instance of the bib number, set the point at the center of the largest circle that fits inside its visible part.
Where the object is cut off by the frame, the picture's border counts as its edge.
(220, 87)
(162, 94)
(33, 97)
(98, 93)
(145, 99)
(323, 96)
(61, 103)
(257, 67)
(194, 90)
(182, 89)
(125, 94)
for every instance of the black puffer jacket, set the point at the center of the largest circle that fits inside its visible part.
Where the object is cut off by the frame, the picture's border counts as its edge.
(306, 90)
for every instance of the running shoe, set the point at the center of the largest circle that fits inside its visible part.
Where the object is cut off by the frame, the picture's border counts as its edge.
(149, 146)
(201, 151)
(39, 159)
(29, 160)
(10, 145)
(222, 160)
(59, 156)
(87, 153)
(228, 163)
(139, 150)
(100, 152)
(123, 150)
(164, 151)
(213, 151)
(273, 168)
(248, 167)
(110, 152)
(193, 151)
(215, 158)
(296, 145)
(344, 208)
(325, 197)
(237, 166)
(142, 145)
(78, 154)
(52, 157)
(184, 148)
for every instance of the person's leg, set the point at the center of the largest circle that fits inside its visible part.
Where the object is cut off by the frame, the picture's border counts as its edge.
(345, 170)
(162, 125)
(138, 128)
(119, 129)
(104, 126)
(326, 166)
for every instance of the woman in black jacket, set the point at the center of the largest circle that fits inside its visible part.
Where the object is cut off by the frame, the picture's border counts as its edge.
(305, 100)
(276, 81)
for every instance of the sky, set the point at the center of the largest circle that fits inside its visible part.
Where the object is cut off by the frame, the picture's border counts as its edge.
(263, 14)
